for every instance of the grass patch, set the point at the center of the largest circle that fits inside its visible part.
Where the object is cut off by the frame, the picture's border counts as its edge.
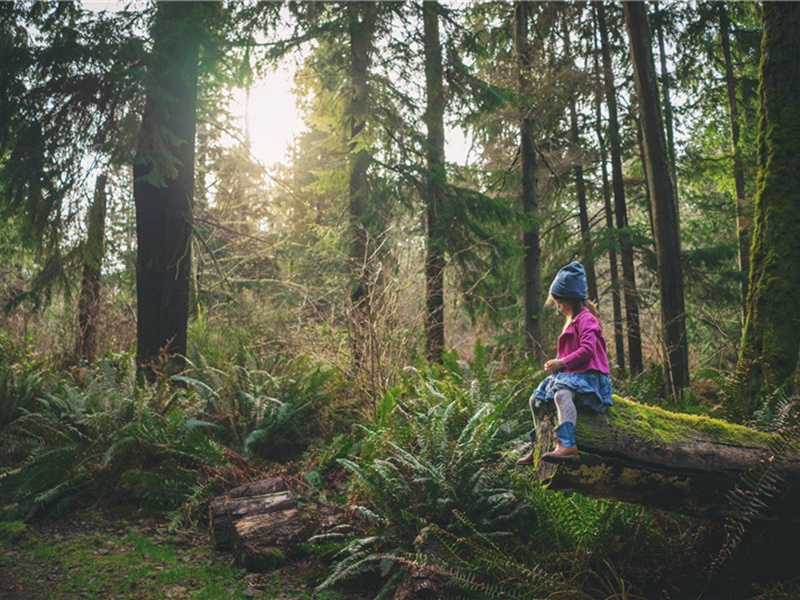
(133, 564)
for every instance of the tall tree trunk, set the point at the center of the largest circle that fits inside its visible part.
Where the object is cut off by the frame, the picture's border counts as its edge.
(361, 22)
(580, 186)
(620, 209)
(89, 302)
(530, 201)
(583, 213)
(164, 184)
(616, 288)
(662, 199)
(435, 184)
(742, 219)
(669, 121)
(771, 338)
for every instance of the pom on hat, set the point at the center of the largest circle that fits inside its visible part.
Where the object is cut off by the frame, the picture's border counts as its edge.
(570, 282)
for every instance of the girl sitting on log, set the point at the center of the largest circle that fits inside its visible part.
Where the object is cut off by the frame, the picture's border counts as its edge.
(580, 372)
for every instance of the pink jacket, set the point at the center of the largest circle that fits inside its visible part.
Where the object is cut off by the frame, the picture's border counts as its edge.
(582, 346)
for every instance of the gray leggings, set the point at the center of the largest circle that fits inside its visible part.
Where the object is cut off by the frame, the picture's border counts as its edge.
(565, 407)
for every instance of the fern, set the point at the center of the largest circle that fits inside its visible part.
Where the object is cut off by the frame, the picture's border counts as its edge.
(757, 486)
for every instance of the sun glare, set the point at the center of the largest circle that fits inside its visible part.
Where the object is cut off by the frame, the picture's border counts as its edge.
(271, 116)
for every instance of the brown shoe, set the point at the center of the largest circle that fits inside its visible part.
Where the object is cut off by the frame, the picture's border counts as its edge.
(561, 453)
(526, 460)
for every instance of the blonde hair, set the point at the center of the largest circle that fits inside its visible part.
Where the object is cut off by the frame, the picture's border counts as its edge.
(577, 305)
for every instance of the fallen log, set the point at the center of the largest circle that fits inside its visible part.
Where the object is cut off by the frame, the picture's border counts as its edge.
(683, 463)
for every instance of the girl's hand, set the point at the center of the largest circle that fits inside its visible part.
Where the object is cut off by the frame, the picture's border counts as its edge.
(551, 366)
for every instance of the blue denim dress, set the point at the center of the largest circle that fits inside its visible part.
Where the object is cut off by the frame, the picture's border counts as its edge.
(592, 388)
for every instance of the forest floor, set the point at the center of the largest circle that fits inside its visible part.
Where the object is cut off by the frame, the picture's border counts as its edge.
(96, 555)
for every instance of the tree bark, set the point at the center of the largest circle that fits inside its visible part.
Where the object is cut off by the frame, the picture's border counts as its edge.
(645, 455)
(361, 23)
(662, 200)
(742, 219)
(164, 184)
(89, 302)
(580, 188)
(669, 121)
(435, 185)
(616, 288)
(530, 202)
(620, 209)
(771, 339)
(583, 213)
(260, 497)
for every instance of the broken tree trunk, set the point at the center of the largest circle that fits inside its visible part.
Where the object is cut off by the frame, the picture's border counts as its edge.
(683, 463)
(251, 500)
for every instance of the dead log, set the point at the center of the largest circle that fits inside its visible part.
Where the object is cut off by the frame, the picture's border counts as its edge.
(262, 542)
(251, 500)
(678, 462)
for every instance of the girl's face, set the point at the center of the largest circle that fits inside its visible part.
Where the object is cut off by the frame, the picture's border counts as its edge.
(564, 307)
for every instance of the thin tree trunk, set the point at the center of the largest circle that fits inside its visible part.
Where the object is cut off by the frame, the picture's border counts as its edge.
(771, 338)
(616, 288)
(583, 213)
(580, 188)
(662, 199)
(163, 186)
(435, 184)
(530, 201)
(361, 24)
(620, 209)
(742, 219)
(89, 302)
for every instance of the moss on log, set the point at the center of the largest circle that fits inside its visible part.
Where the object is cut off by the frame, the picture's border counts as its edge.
(646, 455)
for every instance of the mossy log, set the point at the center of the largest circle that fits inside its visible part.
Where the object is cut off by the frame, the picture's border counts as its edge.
(252, 500)
(684, 463)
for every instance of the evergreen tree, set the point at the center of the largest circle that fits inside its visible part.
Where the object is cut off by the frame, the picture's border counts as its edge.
(530, 202)
(771, 338)
(663, 200)
(67, 89)
(89, 301)
(742, 213)
(435, 185)
(163, 186)
(620, 207)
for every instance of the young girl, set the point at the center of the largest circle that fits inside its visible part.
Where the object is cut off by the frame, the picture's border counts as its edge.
(580, 373)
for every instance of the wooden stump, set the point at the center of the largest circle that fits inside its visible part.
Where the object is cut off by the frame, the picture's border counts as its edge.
(262, 542)
(249, 501)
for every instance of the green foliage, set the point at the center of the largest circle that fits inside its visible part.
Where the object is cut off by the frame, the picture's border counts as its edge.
(759, 485)
(159, 446)
(263, 406)
(80, 441)
(439, 493)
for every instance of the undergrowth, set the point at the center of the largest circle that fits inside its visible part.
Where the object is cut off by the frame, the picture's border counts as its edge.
(440, 496)
(100, 434)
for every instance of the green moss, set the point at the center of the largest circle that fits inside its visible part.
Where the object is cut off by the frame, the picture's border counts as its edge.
(659, 425)
(12, 531)
(771, 336)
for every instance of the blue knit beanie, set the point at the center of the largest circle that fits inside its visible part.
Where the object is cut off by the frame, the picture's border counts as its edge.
(570, 282)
